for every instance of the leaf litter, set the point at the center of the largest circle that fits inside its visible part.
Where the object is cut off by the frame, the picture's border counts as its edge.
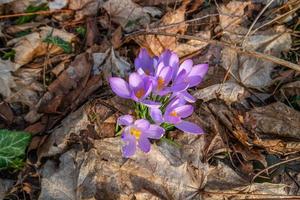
(55, 86)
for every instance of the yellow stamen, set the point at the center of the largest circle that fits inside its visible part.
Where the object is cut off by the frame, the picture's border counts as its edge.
(174, 114)
(140, 93)
(135, 132)
(160, 83)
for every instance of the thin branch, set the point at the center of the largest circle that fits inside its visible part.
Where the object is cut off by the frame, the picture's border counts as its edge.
(256, 19)
(47, 12)
(275, 165)
(224, 44)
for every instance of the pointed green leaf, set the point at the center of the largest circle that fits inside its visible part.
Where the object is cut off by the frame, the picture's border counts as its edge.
(12, 148)
(66, 46)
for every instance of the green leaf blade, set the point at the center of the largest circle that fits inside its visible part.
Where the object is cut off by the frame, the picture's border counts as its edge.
(12, 148)
(66, 46)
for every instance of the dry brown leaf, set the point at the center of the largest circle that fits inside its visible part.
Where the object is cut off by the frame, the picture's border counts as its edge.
(157, 44)
(232, 14)
(85, 8)
(129, 15)
(6, 79)
(110, 63)
(276, 119)
(57, 4)
(6, 113)
(274, 146)
(68, 87)
(156, 2)
(229, 92)
(229, 118)
(5, 185)
(31, 46)
(92, 32)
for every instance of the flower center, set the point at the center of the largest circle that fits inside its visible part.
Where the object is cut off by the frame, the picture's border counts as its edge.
(147, 72)
(174, 114)
(140, 93)
(160, 83)
(135, 132)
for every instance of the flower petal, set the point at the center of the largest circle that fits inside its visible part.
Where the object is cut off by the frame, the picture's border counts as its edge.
(189, 127)
(125, 120)
(136, 81)
(184, 111)
(180, 87)
(166, 75)
(199, 70)
(120, 87)
(148, 85)
(186, 65)
(151, 104)
(186, 96)
(142, 124)
(144, 143)
(129, 147)
(155, 132)
(170, 118)
(145, 62)
(156, 115)
(194, 81)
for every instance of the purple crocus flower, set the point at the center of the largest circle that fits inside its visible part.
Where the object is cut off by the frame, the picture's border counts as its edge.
(175, 111)
(144, 63)
(138, 89)
(138, 133)
(161, 79)
(188, 75)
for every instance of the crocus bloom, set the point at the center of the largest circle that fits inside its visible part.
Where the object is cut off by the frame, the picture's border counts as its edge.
(138, 133)
(138, 89)
(144, 63)
(188, 75)
(161, 79)
(175, 111)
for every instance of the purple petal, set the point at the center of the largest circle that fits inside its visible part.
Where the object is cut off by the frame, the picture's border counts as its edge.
(180, 81)
(166, 75)
(199, 70)
(187, 96)
(160, 66)
(186, 65)
(175, 103)
(129, 147)
(125, 120)
(145, 62)
(184, 111)
(174, 60)
(144, 143)
(180, 87)
(170, 118)
(120, 87)
(189, 127)
(147, 86)
(156, 115)
(194, 81)
(142, 124)
(151, 104)
(136, 81)
(155, 132)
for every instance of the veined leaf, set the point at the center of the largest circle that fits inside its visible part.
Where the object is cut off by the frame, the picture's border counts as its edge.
(12, 148)
(31, 9)
(66, 46)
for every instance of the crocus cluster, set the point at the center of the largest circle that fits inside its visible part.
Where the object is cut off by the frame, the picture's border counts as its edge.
(159, 87)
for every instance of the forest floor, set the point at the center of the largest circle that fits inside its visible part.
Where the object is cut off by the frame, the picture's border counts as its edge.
(58, 114)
